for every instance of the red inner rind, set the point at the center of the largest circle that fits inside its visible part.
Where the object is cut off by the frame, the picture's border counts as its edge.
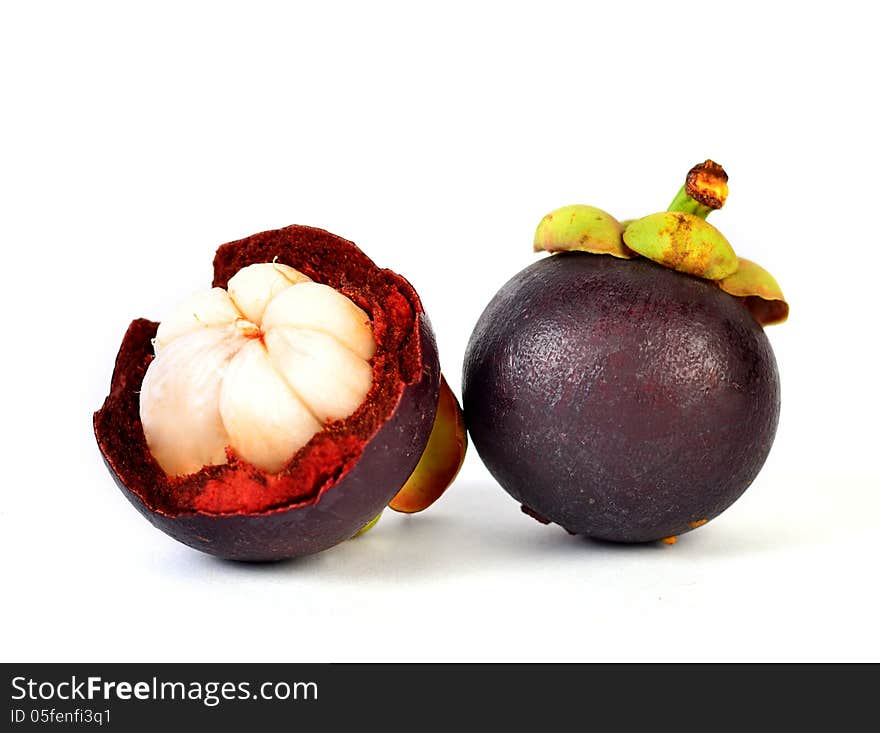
(238, 486)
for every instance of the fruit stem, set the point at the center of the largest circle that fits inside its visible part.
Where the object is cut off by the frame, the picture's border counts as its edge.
(704, 190)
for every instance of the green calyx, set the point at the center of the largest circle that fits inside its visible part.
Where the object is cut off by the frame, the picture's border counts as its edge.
(682, 242)
(759, 290)
(580, 228)
(679, 238)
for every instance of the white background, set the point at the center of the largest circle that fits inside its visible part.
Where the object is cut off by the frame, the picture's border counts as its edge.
(135, 139)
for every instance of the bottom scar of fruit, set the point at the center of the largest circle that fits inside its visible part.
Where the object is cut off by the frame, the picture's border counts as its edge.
(442, 459)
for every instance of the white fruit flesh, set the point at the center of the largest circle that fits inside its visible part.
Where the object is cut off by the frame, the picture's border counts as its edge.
(252, 287)
(260, 368)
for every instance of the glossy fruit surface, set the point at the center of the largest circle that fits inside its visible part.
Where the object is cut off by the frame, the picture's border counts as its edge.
(620, 399)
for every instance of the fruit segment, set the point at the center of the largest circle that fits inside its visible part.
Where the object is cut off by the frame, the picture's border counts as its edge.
(264, 419)
(251, 288)
(210, 308)
(180, 400)
(259, 369)
(321, 308)
(331, 379)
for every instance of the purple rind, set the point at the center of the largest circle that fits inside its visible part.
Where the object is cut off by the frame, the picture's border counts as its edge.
(620, 399)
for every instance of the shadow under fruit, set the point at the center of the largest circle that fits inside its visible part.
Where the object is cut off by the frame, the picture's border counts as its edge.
(624, 387)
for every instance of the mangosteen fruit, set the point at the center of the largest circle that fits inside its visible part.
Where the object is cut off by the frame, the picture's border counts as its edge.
(624, 387)
(279, 412)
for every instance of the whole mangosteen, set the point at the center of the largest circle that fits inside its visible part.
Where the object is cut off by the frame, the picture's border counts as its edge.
(278, 413)
(624, 387)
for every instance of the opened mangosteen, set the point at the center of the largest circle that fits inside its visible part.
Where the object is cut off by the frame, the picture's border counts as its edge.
(624, 387)
(278, 413)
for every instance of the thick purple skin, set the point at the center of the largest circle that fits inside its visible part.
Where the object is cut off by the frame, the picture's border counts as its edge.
(620, 399)
(340, 511)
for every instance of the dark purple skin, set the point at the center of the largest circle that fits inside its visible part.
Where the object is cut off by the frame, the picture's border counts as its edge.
(620, 399)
